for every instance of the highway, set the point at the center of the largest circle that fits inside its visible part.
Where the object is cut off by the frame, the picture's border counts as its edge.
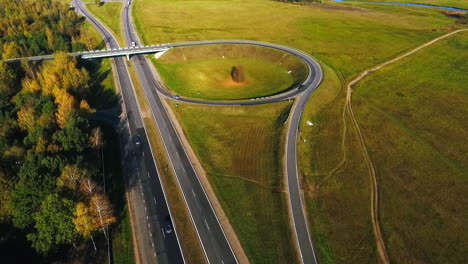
(213, 240)
(148, 200)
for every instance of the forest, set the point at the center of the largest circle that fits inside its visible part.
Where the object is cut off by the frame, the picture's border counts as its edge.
(50, 149)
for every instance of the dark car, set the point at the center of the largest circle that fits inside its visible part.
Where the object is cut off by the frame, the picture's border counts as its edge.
(168, 225)
(137, 140)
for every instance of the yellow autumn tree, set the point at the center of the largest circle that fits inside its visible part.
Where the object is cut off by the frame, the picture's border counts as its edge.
(103, 210)
(66, 105)
(27, 117)
(85, 221)
(85, 108)
(11, 50)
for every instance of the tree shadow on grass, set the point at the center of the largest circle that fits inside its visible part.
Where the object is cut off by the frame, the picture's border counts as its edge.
(101, 97)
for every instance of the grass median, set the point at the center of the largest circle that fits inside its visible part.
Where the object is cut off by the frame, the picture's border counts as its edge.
(241, 150)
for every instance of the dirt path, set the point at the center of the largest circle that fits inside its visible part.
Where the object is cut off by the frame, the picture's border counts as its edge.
(380, 243)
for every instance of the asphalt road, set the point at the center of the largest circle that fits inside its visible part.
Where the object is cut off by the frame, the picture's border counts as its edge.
(214, 242)
(208, 228)
(150, 206)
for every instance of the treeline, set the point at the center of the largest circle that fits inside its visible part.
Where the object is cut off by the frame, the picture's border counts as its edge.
(49, 150)
(300, 1)
(30, 28)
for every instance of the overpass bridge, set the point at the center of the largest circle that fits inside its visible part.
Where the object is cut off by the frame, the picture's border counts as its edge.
(106, 53)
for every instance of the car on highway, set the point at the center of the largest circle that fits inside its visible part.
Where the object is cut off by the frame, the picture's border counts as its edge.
(137, 140)
(133, 44)
(168, 225)
(177, 97)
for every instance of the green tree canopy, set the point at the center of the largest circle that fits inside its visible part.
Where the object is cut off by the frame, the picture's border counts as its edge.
(54, 224)
(36, 182)
(7, 80)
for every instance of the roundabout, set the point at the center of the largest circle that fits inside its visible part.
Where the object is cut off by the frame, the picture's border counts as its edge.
(312, 79)
(229, 72)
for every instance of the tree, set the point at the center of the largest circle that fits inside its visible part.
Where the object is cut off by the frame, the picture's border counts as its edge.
(6, 185)
(103, 209)
(88, 39)
(71, 177)
(88, 187)
(36, 182)
(66, 105)
(96, 139)
(11, 50)
(7, 80)
(73, 136)
(54, 224)
(84, 220)
(27, 117)
(237, 74)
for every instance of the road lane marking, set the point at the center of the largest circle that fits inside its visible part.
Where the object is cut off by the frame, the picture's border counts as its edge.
(193, 193)
(148, 175)
(206, 223)
(164, 235)
(154, 199)
(143, 153)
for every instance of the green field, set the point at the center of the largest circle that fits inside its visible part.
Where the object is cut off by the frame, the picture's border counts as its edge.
(416, 111)
(449, 3)
(241, 150)
(205, 71)
(346, 37)
(412, 114)
(111, 15)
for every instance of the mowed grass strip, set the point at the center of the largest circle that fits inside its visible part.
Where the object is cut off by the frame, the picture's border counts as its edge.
(111, 15)
(348, 38)
(413, 115)
(205, 71)
(241, 150)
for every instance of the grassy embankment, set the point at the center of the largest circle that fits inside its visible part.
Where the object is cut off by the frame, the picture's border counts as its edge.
(412, 116)
(207, 70)
(110, 15)
(241, 150)
(121, 232)
(349, 39)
